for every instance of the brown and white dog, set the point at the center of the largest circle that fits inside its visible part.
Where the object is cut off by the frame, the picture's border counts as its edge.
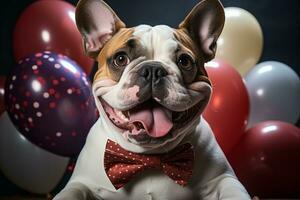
(151, 88)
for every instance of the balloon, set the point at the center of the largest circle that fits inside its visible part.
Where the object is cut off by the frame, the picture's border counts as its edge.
(274, 90)
(2, 82)
(50, 101)
(28, 166)
(267, 160)
(49, 25)
(228, 109)
(241, 41)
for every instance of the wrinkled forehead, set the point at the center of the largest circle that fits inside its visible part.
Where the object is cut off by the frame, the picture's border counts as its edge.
(159, 40)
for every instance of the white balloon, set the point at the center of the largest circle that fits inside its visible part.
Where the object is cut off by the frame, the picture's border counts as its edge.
(28, 166)
(274, 91)
(241, 42)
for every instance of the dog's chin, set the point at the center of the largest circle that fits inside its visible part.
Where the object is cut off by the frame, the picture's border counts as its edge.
(167, 126)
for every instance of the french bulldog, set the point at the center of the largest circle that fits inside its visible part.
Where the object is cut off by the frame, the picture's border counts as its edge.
(151, 88)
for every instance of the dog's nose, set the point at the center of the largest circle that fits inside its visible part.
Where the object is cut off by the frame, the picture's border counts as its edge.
(153, 73)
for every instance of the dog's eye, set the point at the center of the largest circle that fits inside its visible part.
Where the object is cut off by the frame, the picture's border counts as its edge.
(121, 59)
(185, 62)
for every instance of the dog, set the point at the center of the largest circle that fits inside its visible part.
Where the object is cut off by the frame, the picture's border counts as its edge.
(151, 87)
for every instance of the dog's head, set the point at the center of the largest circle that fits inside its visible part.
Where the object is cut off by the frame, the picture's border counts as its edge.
(151, 81)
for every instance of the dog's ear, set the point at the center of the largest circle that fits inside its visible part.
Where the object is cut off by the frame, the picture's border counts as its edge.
(97, 23)
(204, 24)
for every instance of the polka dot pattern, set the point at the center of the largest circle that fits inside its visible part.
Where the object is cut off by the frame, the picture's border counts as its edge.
(41, 105)
(121, 165)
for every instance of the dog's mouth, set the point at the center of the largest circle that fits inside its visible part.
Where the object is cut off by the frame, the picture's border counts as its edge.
(150, 120)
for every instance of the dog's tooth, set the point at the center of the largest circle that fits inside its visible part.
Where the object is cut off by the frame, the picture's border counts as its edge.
(121, 115)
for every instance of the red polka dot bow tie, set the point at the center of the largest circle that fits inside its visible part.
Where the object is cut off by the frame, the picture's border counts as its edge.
(121, 165)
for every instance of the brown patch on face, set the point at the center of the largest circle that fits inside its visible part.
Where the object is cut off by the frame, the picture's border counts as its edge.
(117, 42)
(188, 45)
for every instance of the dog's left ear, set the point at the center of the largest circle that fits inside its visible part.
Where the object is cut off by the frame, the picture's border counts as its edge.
(204, 24)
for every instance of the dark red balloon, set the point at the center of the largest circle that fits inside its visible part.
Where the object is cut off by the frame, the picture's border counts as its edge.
(49, 25)
(267, 160)
(2, 82)
(49, 99)
(228, 109)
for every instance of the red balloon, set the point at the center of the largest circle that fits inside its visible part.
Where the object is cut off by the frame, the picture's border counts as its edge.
(49, 25)
(2, 83)
(267, 160)
(228, 109)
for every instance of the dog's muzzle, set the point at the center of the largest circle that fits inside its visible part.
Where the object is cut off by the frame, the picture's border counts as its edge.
(151, 79)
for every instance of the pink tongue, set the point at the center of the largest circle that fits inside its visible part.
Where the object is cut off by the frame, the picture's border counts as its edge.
(156, 119)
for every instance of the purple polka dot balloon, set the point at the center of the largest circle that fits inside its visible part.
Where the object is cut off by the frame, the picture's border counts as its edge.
(49, 99)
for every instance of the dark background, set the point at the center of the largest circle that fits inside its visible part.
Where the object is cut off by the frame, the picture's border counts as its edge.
(280, 21)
